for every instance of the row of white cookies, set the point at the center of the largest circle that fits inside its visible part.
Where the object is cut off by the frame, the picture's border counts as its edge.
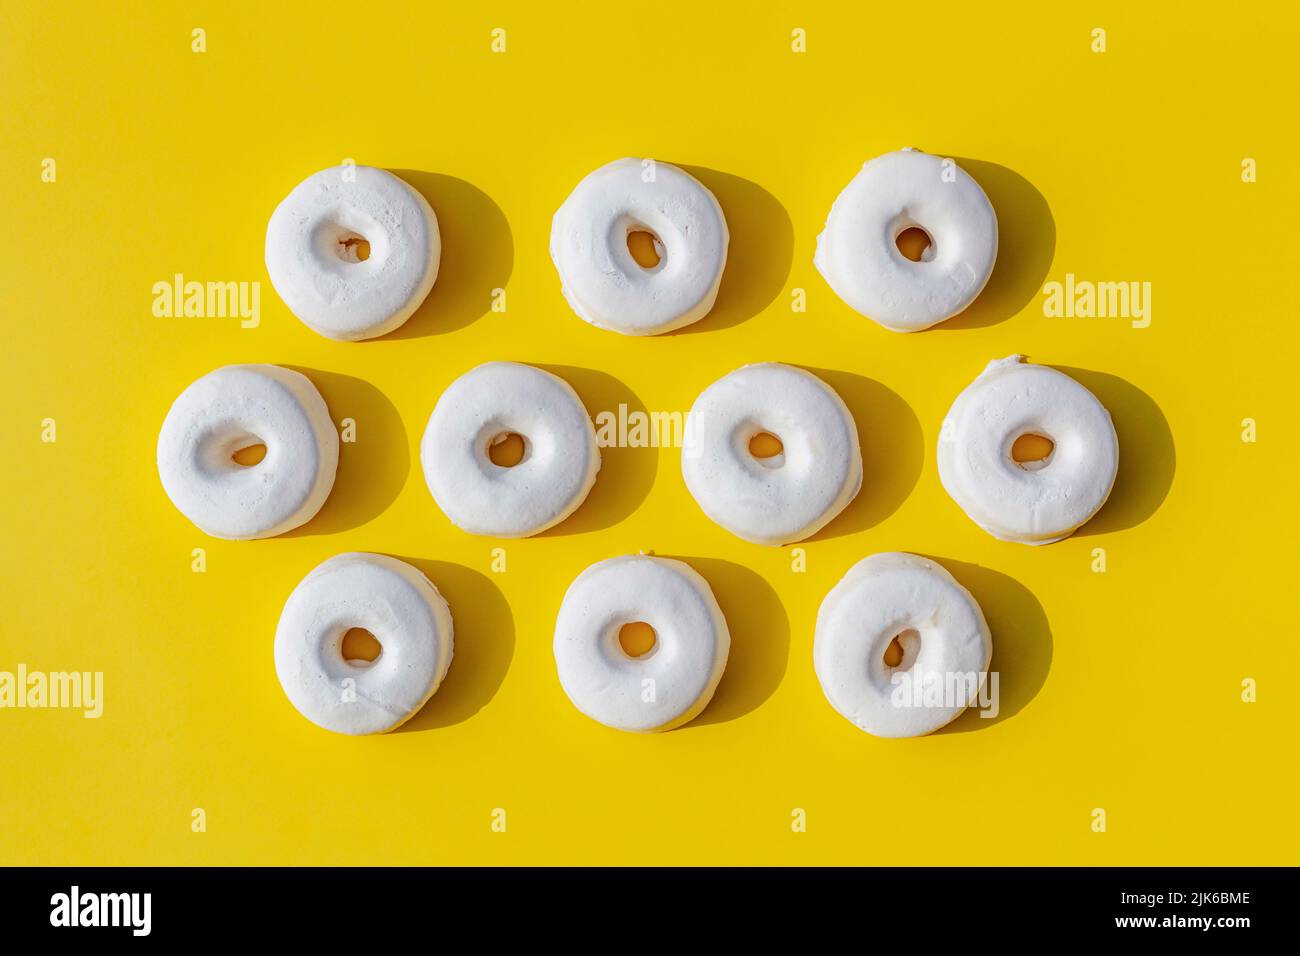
(353, 251)
(810, 471)
(901, 648)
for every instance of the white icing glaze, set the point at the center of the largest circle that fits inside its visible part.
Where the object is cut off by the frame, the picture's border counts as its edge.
(858, 257)
(395, 603)
(949, 646)
(231, 409)
(1034, 503)
(674, 681)
(560, 460)
(604, 284)
(792, 495)
(312, 260)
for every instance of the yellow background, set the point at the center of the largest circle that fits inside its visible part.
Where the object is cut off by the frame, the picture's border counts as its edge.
(1121, 690)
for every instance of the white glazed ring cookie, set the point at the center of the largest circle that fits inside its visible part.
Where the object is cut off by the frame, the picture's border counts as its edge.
(857, 252)
(234, 408)
(944, 642)
(589, 243)
(316, 238)
(396, 604)
(790, 495)
(548, 484)
(1035, 502)
(672, 682)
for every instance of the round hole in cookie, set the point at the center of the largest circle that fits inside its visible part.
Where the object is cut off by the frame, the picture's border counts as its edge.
(767, 448)
(1032, 451)
(645, 248)
(507, 449)
(352, 246)
(359, 647)
(900, 653)
(246, 456)
(913, 242)
(637, 638)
